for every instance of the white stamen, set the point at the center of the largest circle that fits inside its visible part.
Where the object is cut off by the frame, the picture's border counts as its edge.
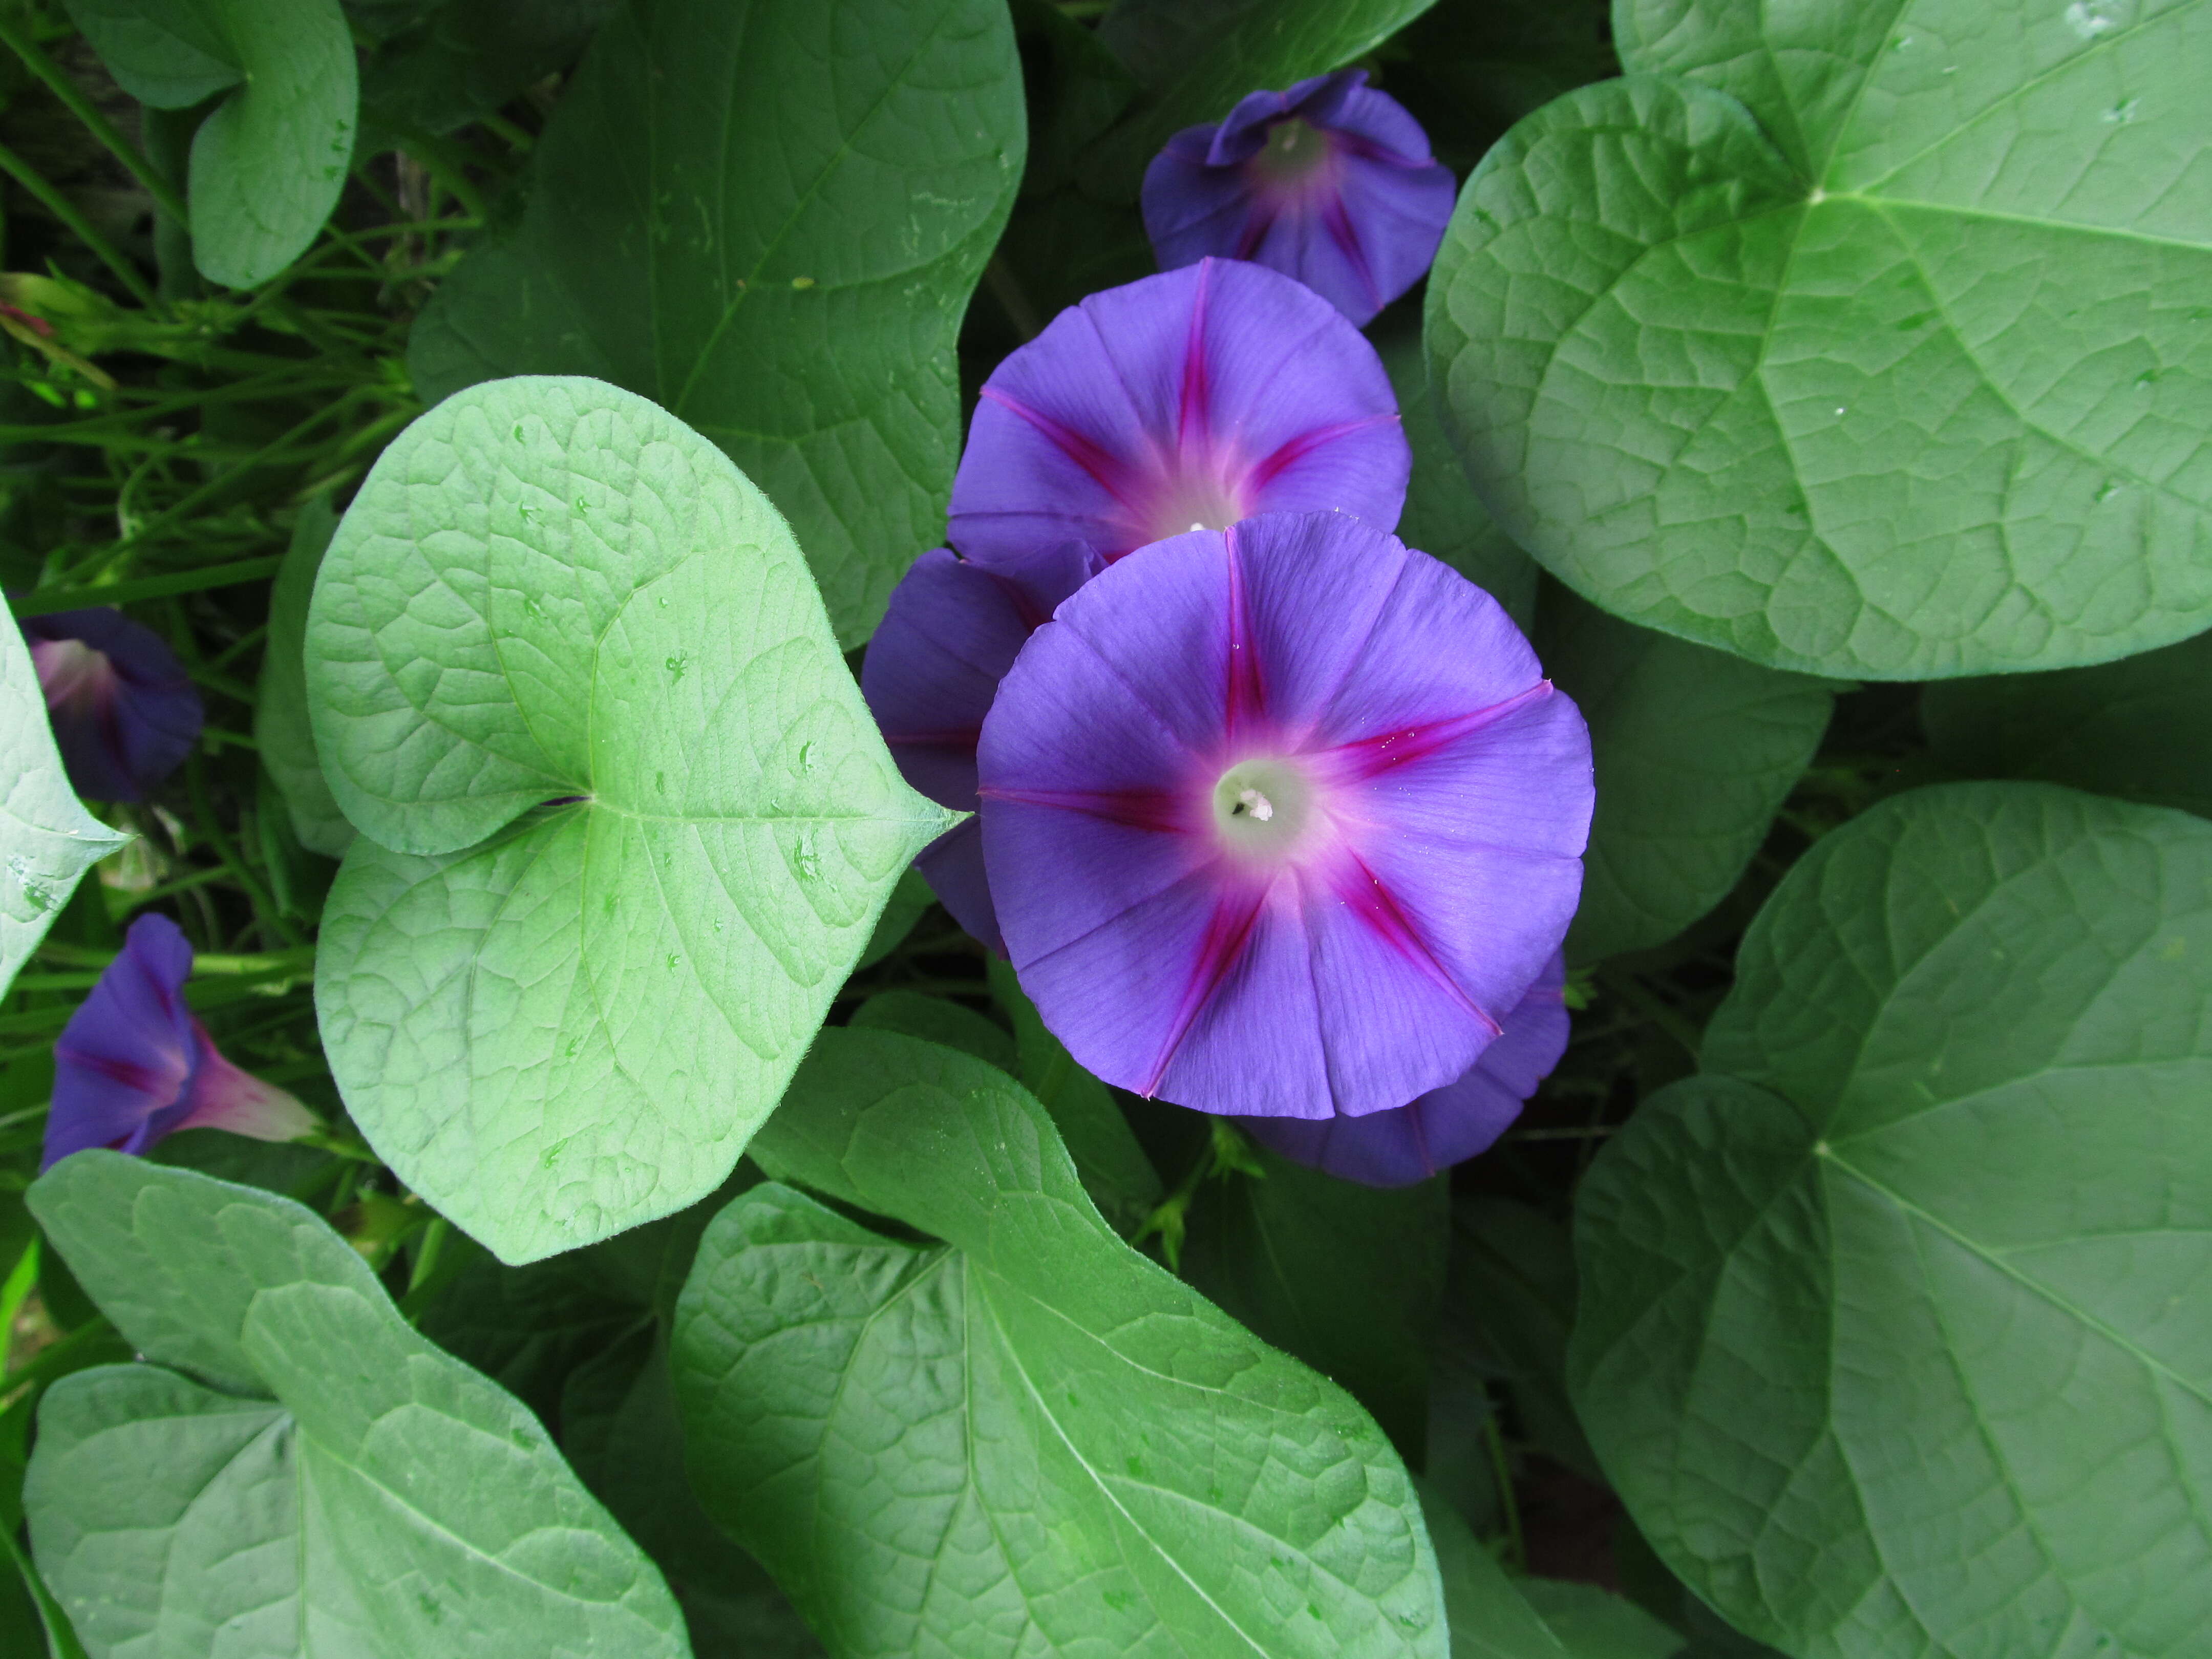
(1252, 801)
(1196, 526)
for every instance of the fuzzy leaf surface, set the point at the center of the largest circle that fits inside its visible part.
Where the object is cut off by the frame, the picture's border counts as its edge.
(559, 1021)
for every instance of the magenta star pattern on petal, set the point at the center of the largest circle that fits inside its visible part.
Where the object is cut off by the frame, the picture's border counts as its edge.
(1446, 1126)
(1185, 401)
(952, 632)
(1331, 182)
(125, 713)
(133, 1064)
(1279, 821)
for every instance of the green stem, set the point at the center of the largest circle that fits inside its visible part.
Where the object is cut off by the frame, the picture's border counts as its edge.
(17, 40)
(1516, 1543)
(265, 906)
(65, 210)
(41, 602)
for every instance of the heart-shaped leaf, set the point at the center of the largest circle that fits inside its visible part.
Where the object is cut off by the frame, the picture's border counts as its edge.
(1028, 1437)
(551, 590)
(267, 165)
(1695, 750)
(47, 839)
(1864, 339)
(345, 1486)
(767, 215)
(1891, 1329)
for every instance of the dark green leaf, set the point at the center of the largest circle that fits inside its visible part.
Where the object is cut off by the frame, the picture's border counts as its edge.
(469, 56)
(1028, 1439)
(937, 1019)
(347, 1486)
(1512, 1286)
(1695, 751)
(551, 590)
(1490, 1619)
(1591, 1623)
(2140, 728)
(1444, 517)
(1888, 1331)
(279, 708)
(1872, 346)
(1118, 1176)
(767, 215)
(904, 907)
(1347, 1278)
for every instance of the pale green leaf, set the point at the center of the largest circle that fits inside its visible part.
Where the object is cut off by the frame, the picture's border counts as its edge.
(1866, 340)
(47, 839)
(939, 1020)
(346, 1488)
(280, 726)
(1890, 1331)
(1028, 1439)
(767, 215)
(1695, 750)
(2140, 728)
(552, 591)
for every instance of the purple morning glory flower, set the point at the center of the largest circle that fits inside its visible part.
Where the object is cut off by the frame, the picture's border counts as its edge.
(1281, 820)
(1187, 400)
(133, 1064)
(952, 631)
(1331, 182)
(1446, 1126)
(124, 712)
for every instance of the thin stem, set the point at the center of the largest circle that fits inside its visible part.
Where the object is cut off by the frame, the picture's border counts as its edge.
(265, 906)
(39, 603)
(13, 35)
(1516, 1543)
(65, 210)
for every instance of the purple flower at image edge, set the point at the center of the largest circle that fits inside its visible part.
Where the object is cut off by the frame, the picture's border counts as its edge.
(1280, 821)
(1446, 1126)
(952, 631)
(1330, 182)
(1187, 400)
(125, 712)
(133, 1064)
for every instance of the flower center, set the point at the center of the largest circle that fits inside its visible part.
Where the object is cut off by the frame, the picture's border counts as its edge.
(1191, 504)
(71, 674)
(1262, 807)
(1295, 148)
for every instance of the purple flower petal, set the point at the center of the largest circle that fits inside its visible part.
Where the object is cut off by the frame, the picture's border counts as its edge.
(1330, 182)
(125, 713)
(133, 1064)
(951, 634)
(1193, 398)
(1446, 1126)
(1278, 820)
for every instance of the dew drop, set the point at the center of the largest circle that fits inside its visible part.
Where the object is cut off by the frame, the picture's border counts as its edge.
(2147, 379)
(806, 758)
(34, 894)
(2091, 18)
(2122, 112)
(660, 782)
(677, 664)
(806, 861)
(1841, 409)
(673, 961)
(2106, 490)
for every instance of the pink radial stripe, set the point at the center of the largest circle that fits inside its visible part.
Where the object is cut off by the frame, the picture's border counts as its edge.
(1193, 407)
(1227, 931)
(1109, 472)
(1365, 758)
(1338, 223)
(1267, 469)
(1134, 809)
(1363, 893)
(1244, 702)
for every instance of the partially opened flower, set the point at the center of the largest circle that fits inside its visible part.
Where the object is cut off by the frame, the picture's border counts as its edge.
(1282, 820)
(133, 1064)
(1446, 1126)
(1330, 182)
(952, 632)
(124, 715)
(1187, 400)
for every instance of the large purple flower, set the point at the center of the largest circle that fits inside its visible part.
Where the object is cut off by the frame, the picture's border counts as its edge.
(1187, 400)
(1446, 1126)
(1331, 182)
(952, 631)
(125, 713)
(1279, 820)
(133, 1064)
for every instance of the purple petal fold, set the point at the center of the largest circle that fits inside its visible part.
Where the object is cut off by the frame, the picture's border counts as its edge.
(133, 1064)
(1363, 958)
(1330, 182)
(1446, 1126)
(125, 712)
(950, 633)
(1195, 397)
